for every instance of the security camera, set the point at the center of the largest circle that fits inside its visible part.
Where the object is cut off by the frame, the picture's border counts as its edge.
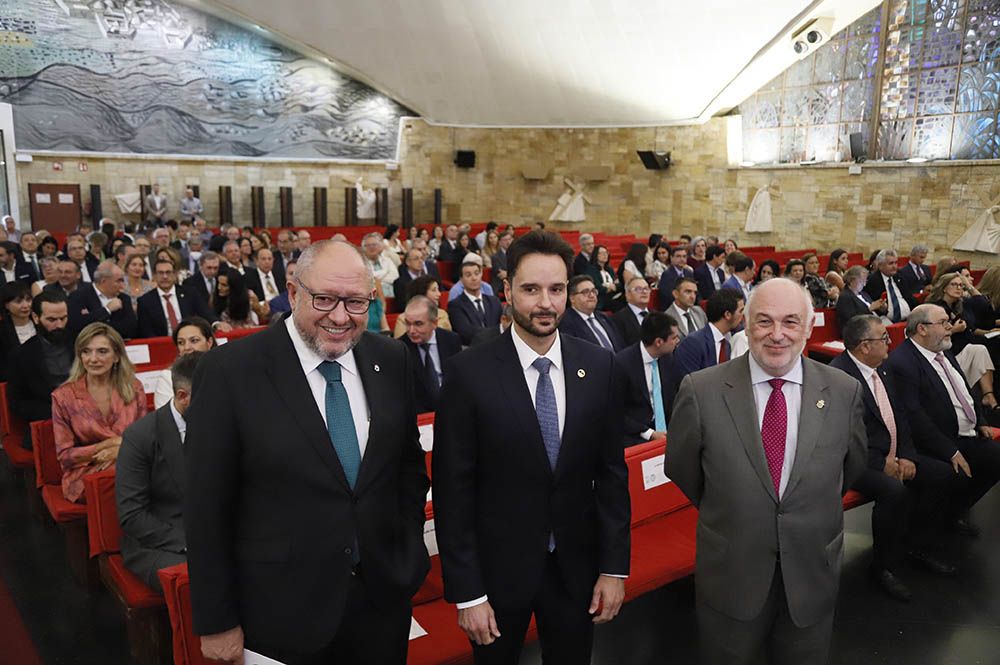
(811, 36)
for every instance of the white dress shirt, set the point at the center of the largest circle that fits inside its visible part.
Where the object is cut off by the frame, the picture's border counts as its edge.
(264, 277)
(178, 420)
(9, 276)
(792, 390)
(647, 370)
(317, 384)
(173, 304)
(432, 348)
(105, 300)
(717, 337)
(164, 392)
(904, 307)
(965, 426)
(637, 311)
(713, 272)
(745, 287)
(681, 319)
(84, 273)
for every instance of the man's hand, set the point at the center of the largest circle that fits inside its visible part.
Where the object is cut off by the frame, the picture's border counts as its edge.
(609, 593)
(226, 647)
(891, 467)
(114, 305)
(986, 432)
(907, 469)
(657, 435)
(958, 462)
(479, 623)
(879, 305)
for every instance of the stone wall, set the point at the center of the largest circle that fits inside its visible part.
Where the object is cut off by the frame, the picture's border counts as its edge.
(822, 207)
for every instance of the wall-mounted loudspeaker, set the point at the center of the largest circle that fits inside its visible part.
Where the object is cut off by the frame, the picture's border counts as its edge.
(858, 152)
(465, 159)
(811, 36)
(654, 161)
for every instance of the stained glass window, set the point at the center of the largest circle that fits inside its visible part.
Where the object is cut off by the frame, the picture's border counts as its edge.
(938, 89)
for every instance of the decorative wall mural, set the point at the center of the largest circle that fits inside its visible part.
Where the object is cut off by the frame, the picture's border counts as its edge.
(152, 76)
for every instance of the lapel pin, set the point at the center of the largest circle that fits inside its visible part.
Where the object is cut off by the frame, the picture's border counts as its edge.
(377, 368)
(820, 404)
(581, 373)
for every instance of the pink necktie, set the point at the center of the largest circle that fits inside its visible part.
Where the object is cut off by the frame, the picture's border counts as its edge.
(885, 408)
(774, 430)
(960, 391)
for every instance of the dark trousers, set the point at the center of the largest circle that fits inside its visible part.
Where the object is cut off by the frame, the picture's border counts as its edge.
(367, 635)
(907, 514)
(565, 627)
(983, 456)
(770, 637)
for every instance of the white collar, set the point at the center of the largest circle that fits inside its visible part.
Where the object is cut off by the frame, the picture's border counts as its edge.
(646, 357)
(172, 292)
(758, 375)
(930, 355)
(636, 310)
(103, 298)
(526, 355)
(178, 419)
(585, 317)
(309, 359)
(682, 311)
(718, 335)
(865, 370)
(471, 297)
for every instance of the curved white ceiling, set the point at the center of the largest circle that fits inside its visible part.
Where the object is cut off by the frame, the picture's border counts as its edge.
(552, 62)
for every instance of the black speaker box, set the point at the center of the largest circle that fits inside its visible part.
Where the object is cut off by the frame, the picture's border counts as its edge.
(654, 161)
(465, 159)
(858, 153)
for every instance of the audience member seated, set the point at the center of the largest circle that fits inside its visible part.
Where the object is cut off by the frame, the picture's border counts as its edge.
(12, 268)
(712, 344)
(740, 273)
(488, 334)
(233, 256)
(412, 268)
(678, 268)
(76, 251)
(629, 319)
(951, 292)
(883, 284)
(583, 321)
(946, 422)
(90, 411)
(659, 264)
(987, 310)
(162, 309)
(609, 283)
(263, 279)
(473, 310)
(644, 374)
(193, 335)
(915, 277)
(144, 247)
(50, 274)
(697, 252)
(582, 261)
(377, 320)
(378, 259)
(710, 274)
(910, 490)
(839, 261)
(302, 240)
(457, 288)
(203, 282)
(768, 269)
(430, 348)
(448, 247)
(149, 482)
(29, 255)
(499, 262)
(279, 304)
(689, 316)
(42, 363)
(424, 285)
(67, 278)
(466, 246)
(234, 301)
(16, 324)
(394, 248)
(854, 300)
(136, 284)
(633, 265)
(103, 301)
(490, 249)
(823, 294)
(945, 264)
(795, 270)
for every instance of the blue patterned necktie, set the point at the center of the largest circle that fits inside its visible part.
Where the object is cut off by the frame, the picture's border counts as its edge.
(896, 318)
(659, 417)
(599, 333)
(340, 422)
(545, 410)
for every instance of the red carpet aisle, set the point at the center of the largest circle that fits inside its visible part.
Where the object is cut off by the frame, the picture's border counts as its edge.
(16, 647)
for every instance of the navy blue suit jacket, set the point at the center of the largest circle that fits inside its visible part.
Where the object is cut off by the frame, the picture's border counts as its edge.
(695, 352)
(85, 308)
(667, 281)
(465, 319)
(152, 320)
(448, 345)
(632, 378)
(926, 401)
(574, 325)
(706, 287)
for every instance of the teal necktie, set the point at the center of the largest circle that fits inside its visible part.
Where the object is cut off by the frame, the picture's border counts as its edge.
(340, 422)
(659, 417)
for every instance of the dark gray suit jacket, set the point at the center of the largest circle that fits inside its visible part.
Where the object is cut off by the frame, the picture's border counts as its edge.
(716, 457)
(149, 490)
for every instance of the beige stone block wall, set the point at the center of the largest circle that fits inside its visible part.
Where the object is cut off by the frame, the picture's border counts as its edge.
(821, 207)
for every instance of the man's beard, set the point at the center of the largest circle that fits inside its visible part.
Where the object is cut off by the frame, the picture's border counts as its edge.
(529, 326)
(58, 337)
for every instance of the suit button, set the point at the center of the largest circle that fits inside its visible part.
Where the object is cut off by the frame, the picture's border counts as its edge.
(347, 550)
(354, 500)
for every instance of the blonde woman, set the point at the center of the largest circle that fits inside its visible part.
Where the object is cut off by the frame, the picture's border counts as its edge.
(99, 400)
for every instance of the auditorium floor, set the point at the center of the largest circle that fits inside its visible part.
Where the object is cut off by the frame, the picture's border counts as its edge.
(951, 621)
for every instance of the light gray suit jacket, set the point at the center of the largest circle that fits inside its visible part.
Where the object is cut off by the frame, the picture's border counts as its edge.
(152, 208)
(716, 457)
(697, 313)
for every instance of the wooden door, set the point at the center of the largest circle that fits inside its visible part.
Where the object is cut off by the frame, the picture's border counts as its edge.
(55, 208)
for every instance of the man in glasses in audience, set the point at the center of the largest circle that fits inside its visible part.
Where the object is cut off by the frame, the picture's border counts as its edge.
(306, 481)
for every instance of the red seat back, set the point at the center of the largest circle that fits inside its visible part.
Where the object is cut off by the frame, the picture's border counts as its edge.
(828, 331)
(177, 593)
(897, 334)
(651, 497)
(11, 426)
(104, 530)
(48, 471)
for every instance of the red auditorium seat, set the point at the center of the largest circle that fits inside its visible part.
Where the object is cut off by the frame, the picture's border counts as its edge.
(12, 431)
(146, 619)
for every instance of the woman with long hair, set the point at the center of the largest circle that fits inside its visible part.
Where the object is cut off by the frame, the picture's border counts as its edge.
(823, 295)
(99, 400)
(768, 269)
(839, 262)
(16, 326)
(634, 264)
(193, 334)
(233, 300)
(661, 260)
(397, 251)
(136, 283)
(795, 270)
(490, 247)
(609, 285)
(434, 244)
(247, 253)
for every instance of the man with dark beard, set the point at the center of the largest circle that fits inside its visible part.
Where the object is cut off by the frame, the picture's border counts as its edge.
(42, 363)
(531, 500)
(306, 483)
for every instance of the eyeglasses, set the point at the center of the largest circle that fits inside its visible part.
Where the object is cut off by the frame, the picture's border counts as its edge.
(324, 302)
(639, 289)
(946, 323)
(884, 338)
(586, 292)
